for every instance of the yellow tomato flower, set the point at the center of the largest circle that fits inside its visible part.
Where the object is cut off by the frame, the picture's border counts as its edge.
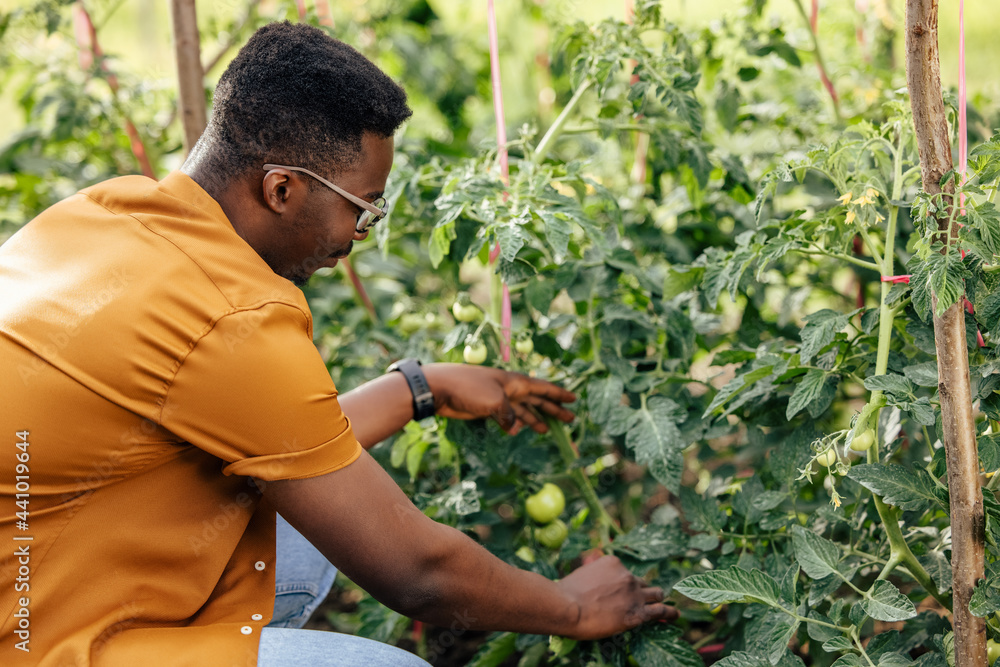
(871, 193)
(850, 217)
(844, 199)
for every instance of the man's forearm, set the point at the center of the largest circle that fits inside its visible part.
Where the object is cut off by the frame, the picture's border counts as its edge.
(474, 589)
(379, 408)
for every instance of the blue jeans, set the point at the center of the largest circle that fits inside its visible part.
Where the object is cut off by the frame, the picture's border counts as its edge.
(303, 578)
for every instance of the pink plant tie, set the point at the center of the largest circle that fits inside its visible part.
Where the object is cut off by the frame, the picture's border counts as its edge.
(491, 29)
(963, 123)
(895, 280)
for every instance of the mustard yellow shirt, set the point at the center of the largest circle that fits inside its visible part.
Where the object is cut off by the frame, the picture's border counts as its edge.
(151, 363)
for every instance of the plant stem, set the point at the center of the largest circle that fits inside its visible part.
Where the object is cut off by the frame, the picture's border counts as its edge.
(857, 643)
(556, 128)
(560, 432)
(841, 256)
(819, 61)
(899, 550)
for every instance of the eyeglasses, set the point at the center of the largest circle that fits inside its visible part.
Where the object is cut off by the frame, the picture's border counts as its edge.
(372, 213)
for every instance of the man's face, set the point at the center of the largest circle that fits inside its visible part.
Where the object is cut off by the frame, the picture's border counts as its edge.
(323, 229)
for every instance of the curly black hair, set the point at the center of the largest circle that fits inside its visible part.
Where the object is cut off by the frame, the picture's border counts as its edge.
(294, 95)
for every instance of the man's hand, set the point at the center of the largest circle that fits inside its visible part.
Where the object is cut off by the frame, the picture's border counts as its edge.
(512, 399)
(361, 521)
(611, 599)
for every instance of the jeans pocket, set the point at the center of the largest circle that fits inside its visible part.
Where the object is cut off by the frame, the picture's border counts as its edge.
(293, 608)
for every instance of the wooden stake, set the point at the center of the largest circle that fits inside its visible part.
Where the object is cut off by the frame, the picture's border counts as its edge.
(190, 77)
(923, 74)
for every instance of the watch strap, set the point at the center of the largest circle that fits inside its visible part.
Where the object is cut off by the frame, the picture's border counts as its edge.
(423, 399)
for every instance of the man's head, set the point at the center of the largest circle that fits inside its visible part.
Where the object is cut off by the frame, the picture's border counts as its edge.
(294, 96)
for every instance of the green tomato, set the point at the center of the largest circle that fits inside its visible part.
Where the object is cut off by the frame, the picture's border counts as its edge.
(552, 535)
(862, 442)
(526, 553)
(411, 323)
(464, 312)
(547, 504)
(992, 651)
(827, 458)
(475, 353)
(524, 346)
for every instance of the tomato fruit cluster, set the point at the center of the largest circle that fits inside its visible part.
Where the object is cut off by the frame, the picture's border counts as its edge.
(545, 507)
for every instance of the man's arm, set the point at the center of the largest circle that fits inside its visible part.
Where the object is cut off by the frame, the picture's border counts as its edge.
(380, 408)
(364, 524)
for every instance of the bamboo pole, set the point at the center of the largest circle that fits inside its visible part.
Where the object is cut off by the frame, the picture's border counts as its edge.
(190, 76)
(923, 74)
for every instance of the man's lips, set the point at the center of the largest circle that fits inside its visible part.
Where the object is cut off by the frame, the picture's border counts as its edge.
(332, 260)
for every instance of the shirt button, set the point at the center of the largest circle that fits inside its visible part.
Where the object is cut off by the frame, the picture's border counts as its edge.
(256, 617)
(246, 629)
(260, 565)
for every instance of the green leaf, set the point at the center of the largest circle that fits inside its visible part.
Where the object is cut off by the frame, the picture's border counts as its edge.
(742, 659)
(817, 556)
(651, 542)
(495, 651)
(896, 485)
(702, 514)
(989, 451)
(732, 585)
(735, 386)
(808, 390)
(770, 633)
(884, 602)
(462, 498)
(838, 644)
(656, 645)
(891, 384)
(848, 660)
(894, 660)
(557, 232)
(656, 441)
(511, 237)
(946, 274)
(923, 375)
(988, 312)
(985, 598)
(680, 280)
(603, 395)
(820, 330)
(820, 633)
(440, 243)
(937, 565)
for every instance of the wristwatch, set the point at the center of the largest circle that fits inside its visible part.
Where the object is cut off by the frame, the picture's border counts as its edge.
(423, 399)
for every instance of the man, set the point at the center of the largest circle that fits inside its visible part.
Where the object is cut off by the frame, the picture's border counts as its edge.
(163, 399)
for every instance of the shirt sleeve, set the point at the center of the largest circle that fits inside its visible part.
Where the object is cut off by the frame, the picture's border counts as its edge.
(255, 392)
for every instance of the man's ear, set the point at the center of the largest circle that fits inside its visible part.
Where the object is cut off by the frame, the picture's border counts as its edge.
(278, 189)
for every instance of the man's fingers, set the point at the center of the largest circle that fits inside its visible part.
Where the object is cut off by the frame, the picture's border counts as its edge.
(505, 416)
(550, 408)
(658, 612)
(528, 416)
(653, 594)
(551, 391)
